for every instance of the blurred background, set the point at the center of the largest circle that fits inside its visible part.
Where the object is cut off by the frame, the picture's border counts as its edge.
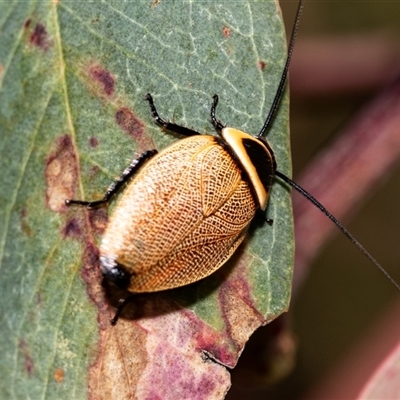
(347, 52)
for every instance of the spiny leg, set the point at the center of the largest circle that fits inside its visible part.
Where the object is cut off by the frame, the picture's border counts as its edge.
(181, 130)
(218, 125)
(116, 185)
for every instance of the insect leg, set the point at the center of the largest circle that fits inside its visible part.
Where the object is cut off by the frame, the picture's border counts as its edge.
(269, 221)
(121, 306)
(262, 215)
(117, 184)
(181, 130)
(218, 125)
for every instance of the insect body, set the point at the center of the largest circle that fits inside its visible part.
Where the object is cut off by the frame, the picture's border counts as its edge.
(170, 232)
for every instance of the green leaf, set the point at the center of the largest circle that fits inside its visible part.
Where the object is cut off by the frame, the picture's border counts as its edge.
(72, 115)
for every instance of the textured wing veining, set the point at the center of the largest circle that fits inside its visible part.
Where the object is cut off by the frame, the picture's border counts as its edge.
(181, 217)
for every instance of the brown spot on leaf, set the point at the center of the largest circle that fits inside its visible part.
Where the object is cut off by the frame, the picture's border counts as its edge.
(27, 23)
(40, 38)
(72, 229)
(102, 83)
(103, 78)
(25, 227)
(93, 142)
(29, 365)
(98, 219)
(226, 31)
(91, 275)
(238, 309)
(241, 319)
(129, 122)
(58, 375)
(94, 170)
(261, 65)
(61, 174)
(91, 258)
(211, 345)
(134, 127)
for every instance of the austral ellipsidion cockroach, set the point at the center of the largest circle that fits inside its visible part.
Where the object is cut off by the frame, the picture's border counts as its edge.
(187, 208)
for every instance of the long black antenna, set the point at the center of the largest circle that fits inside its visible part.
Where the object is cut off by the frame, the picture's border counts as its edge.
(282, 82)
(313, 200)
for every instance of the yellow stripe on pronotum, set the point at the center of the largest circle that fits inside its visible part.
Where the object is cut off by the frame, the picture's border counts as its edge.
(187, 209)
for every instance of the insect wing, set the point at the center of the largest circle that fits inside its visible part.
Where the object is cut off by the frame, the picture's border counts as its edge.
(181, 217)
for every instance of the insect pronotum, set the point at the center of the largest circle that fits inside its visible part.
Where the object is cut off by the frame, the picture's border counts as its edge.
(186, 209)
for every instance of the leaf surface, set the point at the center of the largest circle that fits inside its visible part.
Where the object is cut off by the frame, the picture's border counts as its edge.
(72, 115)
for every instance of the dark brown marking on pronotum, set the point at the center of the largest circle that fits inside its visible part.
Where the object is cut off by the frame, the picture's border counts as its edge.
(39, 37)
(103, 78)
(256, 158)
(27, 23)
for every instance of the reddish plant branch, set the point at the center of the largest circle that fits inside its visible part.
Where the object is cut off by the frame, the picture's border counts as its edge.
(343, 175)
(360, 369)
(335, 65)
